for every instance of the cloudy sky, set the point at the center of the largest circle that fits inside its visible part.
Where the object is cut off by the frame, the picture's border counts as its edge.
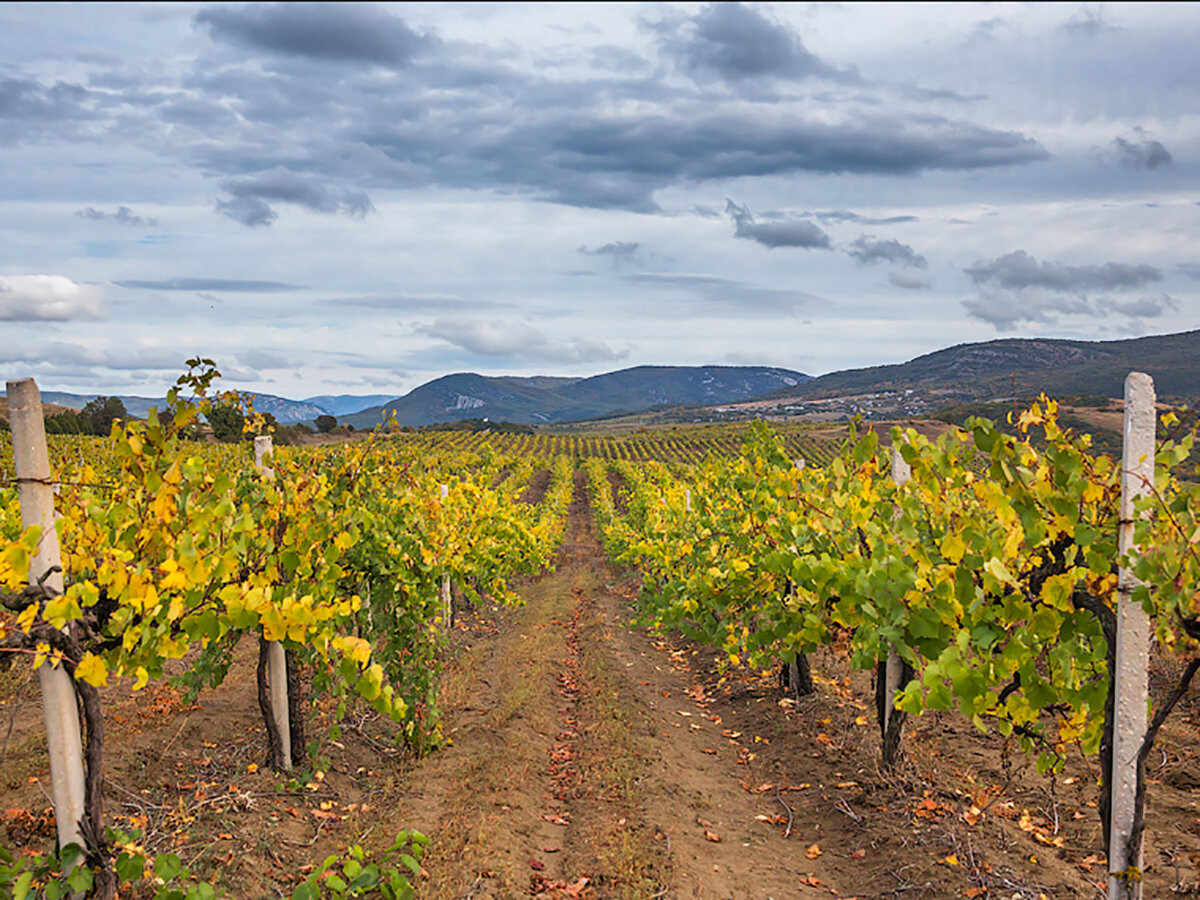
(359, 198)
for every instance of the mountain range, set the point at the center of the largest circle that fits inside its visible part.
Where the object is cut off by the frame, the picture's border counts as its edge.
(979, 371)
(543, 399)
(284, 410)
(991, 369)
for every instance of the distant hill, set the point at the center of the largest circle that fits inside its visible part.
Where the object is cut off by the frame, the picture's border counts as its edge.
(984, 371)
(285, 411)
(344, 404)
(544, 399)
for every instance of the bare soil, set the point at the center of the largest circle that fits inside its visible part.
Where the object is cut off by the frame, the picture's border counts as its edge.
(588, 758)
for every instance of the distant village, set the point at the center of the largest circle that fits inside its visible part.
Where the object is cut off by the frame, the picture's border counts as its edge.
(906, 403)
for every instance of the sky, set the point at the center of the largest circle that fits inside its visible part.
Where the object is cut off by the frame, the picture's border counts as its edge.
(360, 198)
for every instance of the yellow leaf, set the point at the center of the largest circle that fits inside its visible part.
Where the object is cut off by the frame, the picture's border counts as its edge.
(950, 860)
(93, 670)
(999, 571)
(142, 677)
(356, 649)
(953, 548)
(272, 625)
(25, 619)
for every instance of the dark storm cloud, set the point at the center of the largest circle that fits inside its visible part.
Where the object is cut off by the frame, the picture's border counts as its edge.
(1020, 270)
(250, 195)
(342, 32)
(608, 161)
(467, 117)
(1141, 151)
(233, 285)
(804, 235)
(735, 42)
(619, 251)
(123, 216)
(844, 215)
(868, 249)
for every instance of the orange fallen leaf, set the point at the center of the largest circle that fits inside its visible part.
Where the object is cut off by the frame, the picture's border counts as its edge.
(825, 739)
(859, 854)
(813, 852)
(537, 865)
(712, 836)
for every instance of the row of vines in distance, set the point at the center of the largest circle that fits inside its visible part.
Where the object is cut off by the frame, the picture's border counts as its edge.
(686, 444)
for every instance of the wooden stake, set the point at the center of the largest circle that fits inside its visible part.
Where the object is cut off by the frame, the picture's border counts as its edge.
(59, 705)
(1130, 680)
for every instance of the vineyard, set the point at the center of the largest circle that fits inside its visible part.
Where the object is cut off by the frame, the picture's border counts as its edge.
(404, 666)
(684, 444)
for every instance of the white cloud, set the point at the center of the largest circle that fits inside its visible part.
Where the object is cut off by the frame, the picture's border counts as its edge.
(516, 340)
(47, 298)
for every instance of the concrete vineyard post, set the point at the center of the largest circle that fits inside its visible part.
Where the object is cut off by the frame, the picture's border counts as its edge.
(687, 500)
(1130, 680)
(264, 447)
(793, 668)
(893, 668)
(264, 450)
(447, 608)
(59, 705)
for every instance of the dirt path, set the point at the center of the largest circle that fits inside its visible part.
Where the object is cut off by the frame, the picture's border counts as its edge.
(585, 760)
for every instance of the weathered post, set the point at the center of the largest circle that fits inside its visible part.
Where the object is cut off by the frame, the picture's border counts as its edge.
(264, 448)
(447, 605)
(59, 706)
(687, 500)
(797, 674)
(892, 674)
(277, 680)
(1130, 680)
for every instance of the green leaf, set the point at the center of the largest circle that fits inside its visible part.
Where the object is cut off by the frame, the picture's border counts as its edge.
(167, 866)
